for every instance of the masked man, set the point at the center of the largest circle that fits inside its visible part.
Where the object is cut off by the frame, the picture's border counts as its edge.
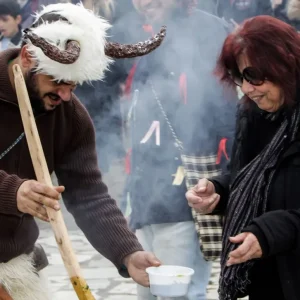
(65, 46)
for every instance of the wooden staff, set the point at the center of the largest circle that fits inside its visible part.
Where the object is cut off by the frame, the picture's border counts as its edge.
(42, 174)
(4, 294)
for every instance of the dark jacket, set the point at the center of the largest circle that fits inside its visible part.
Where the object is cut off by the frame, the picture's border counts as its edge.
(200, 119)
(68, 140)
(278, 230)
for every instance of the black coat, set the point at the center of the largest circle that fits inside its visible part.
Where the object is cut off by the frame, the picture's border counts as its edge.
(278, 230)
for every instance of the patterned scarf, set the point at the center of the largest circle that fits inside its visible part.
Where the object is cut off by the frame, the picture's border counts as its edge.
(248, 200)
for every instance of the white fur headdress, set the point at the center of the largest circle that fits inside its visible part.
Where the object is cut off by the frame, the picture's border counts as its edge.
(84, 27)
(88, 55)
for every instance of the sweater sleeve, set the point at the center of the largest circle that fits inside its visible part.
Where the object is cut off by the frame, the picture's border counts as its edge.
(86, 196)
(9, 185)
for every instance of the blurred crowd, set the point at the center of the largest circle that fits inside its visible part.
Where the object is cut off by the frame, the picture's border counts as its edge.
(232, 10)
(103, 98)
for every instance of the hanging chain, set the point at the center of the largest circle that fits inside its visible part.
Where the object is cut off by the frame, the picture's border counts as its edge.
(12, 145)
(178, 143)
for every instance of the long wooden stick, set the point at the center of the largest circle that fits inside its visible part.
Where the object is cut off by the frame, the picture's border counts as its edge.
(4, 294)
(42, 174)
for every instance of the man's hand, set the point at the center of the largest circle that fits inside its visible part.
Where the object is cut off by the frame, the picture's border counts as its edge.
(32, 196)
(249, 249)
(137, 263)
(203, 197)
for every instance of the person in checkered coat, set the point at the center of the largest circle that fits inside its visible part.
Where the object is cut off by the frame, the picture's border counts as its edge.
(179, 116)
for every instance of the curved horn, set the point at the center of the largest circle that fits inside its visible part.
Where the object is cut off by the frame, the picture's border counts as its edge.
(116, 50)
(67, 56)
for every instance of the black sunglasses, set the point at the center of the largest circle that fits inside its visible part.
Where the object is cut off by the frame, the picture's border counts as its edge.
(250, 74)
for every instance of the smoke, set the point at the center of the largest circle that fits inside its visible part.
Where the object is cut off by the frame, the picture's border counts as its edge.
(197, 108)
(200, 111)
(239, 10)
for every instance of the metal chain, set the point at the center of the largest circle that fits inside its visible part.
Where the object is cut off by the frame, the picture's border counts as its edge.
(12, 145)
(178, 142)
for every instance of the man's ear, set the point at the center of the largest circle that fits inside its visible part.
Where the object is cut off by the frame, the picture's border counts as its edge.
(25, 58)
(19, 19)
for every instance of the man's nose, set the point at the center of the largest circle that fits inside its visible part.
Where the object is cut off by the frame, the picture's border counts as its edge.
(247, 87)
(65, 94)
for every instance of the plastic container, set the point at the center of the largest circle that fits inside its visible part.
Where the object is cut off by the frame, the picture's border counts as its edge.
(169, 281)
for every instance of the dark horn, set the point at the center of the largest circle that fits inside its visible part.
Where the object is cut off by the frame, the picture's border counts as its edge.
(67, 56)
(116, 50)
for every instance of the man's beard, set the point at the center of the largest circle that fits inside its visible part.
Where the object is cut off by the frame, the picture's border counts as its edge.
(37, 102)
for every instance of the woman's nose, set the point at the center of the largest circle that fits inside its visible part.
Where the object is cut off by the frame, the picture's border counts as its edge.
(247, 87)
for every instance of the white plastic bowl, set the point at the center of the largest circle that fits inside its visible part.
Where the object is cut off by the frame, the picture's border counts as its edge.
(169, 281)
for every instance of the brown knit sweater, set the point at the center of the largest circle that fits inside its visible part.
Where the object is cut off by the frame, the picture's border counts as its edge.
(68, 140)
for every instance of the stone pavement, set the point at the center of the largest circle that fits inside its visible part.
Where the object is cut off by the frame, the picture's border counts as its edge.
(100, 274)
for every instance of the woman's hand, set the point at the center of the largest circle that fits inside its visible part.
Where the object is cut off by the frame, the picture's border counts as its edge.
(203, 197)
(249, 248)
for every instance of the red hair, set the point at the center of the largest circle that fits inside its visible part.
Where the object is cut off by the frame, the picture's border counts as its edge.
(271, 46)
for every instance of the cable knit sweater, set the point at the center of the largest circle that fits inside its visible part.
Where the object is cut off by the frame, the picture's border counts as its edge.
(67, 136)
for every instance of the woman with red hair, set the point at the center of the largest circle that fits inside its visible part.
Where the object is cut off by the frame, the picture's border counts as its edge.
(260, 195)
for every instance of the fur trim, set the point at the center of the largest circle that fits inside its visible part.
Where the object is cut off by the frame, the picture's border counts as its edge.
(86, 28)
(19, 278)
(293, 9)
